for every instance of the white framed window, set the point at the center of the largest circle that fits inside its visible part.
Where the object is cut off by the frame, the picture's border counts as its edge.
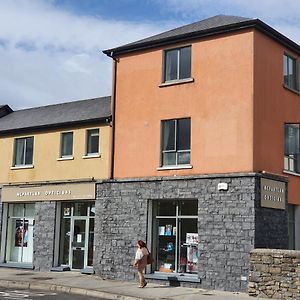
(175, 142)
(23, 151)
(290, 72)
(92, 142)
(177, 64)
(66, 144)
(292, 148)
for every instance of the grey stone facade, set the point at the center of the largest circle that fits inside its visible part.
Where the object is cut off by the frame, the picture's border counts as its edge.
(226, 224)
(270, 225)
(44, 235)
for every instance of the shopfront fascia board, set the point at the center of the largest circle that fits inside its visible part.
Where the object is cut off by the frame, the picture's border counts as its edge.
(51, 192)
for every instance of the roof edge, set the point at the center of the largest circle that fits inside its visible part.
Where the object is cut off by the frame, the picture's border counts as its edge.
(105, 120)
(253, 23)
(5, 110)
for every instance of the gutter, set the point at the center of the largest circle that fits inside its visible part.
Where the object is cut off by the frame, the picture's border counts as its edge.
(102, 120)
(113, 112)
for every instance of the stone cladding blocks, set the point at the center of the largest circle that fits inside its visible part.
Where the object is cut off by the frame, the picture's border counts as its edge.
(275, 274)
(227, 224)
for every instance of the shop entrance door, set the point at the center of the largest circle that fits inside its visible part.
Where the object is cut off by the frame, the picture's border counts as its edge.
(77, 235)
(79, 243)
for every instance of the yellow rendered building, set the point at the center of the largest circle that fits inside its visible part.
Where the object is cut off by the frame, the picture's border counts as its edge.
(51, 158)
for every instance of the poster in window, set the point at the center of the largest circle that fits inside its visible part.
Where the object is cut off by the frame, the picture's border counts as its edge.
(21, 233)
(192, 238)
(67, 211)
(168, 229)
(161, 230)
(192, 259)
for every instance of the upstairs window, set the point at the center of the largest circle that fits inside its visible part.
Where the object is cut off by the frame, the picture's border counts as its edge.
(176, 136)
(23, 151)
(177, 64)
(92, 142)
(66, 146)
(290, 72)
(292, 148)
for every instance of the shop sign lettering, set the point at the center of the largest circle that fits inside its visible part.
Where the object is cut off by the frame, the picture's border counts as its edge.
(74, 191)
(272, 193)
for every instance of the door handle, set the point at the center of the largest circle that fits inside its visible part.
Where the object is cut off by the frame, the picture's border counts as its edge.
(78, 248)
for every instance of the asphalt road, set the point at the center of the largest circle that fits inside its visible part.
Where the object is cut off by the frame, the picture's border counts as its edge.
(13, 294)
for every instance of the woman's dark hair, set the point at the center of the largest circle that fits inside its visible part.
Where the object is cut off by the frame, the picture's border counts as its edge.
(142, 244)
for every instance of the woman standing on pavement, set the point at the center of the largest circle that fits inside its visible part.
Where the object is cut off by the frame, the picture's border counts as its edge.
(141, 261)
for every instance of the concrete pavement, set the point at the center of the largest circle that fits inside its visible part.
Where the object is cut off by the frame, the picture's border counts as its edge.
(92, 285)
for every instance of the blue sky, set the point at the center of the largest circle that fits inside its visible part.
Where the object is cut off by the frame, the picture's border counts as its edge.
(50, 50)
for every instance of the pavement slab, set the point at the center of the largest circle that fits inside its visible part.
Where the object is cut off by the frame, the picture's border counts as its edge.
(92, 285)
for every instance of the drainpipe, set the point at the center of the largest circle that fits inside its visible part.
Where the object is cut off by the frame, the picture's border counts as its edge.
(113, 111)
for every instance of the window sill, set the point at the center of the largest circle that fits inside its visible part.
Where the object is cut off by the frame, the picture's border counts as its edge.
(175, 82)
(22, 167)
(179, 167)
(91, 156)
(292, 90)
(17, 265)
(291, 173)
(65, 158)
(174, 277)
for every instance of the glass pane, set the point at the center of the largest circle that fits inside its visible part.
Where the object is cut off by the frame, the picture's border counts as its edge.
(169, 159)
(171, 65)
(17, 210)
(29, 151)
(185, 63)
(165, 260)
(285, 70)
(183, 134)
(168, 141)
(92, 209)
(166, 208)
(292, 142)
(64, 241)
(189, 208)
(29, 210)
(81, 208)
(79, 233)
(293, 75)
(19, 151)
(183, 158)
(93, 141)
(188, 246)
(91, 242)
(67, 144)
(78, 259)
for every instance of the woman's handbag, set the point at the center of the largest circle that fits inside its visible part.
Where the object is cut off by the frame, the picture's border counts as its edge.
(150, 259)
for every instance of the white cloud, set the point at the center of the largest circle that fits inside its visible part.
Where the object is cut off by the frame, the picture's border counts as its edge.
(49, 55)
(283, 15)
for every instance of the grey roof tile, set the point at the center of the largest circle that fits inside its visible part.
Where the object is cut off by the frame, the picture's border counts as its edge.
(196, 27)
(57, 114)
